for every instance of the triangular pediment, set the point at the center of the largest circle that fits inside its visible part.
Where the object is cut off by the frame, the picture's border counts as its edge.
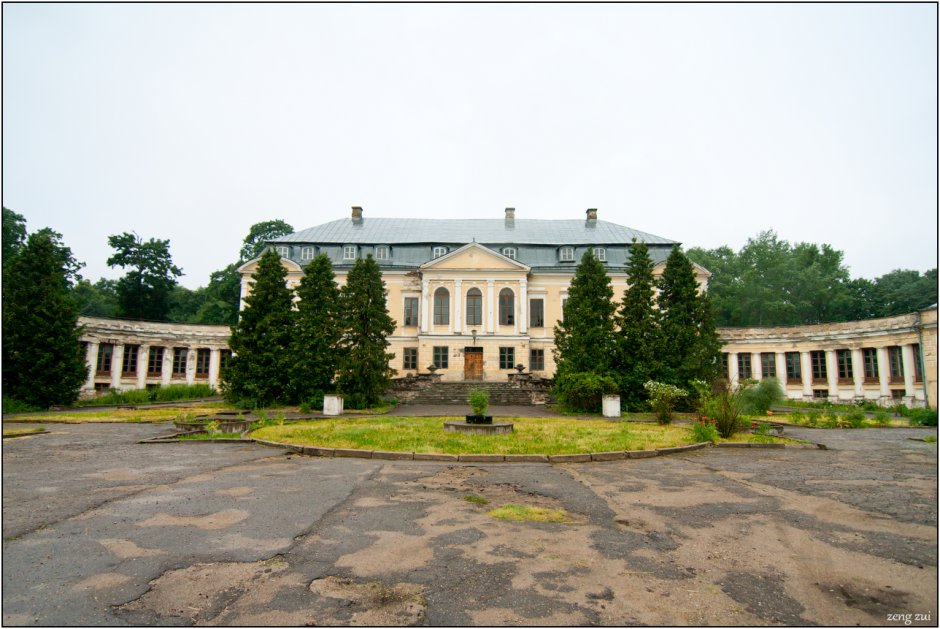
(474, 257)
(252, 265)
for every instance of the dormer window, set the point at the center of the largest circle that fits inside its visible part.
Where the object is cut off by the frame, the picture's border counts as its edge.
(306, 253)
(601, 254)
(282, 251)
(381, 252)
(509, 252)
(439, 251)
(349, 252)
(566, 254)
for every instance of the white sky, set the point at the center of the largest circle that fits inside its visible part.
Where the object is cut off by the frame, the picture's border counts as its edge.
(700, 123)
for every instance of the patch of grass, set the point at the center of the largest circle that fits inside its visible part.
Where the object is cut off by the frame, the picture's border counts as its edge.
(168, 393)
(117, 415)
(523, 513)
(19, 432)
(930, 439)
(480, 500)
(207, 436)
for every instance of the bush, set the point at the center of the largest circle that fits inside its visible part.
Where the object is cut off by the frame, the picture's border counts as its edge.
(798, 418)
(173, 392)
(882, 418)
(758, 399)
(922, 417)
(663, 399)
(583, 391)
(11, 405)
(727, 407)
(314, 401)
(704, 430)
(856, 419)
(812, 418)
(479, 401)
(356, 401)
(831, 420)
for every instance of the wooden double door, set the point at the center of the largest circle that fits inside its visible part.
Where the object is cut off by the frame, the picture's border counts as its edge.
(473, 363)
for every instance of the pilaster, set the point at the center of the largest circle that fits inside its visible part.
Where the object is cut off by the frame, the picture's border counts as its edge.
(143, 359)
(806, 373)
(117, 360)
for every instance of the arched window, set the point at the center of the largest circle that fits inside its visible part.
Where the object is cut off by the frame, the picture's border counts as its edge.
(441, 307)
(474, 307)
(506, 307)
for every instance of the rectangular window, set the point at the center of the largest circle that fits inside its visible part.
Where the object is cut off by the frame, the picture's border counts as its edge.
(381, 253)
(918, 372)
(129, 363)
(507, 357)
(744, 366)
(306, 253)
(536, 360)
(282, 251)
(349, 252)
(439, 251)
(566, 254)
(817, 361)
(155, 361)
(794, 371)
(202, 363)
(440, 357)
(820, 393)
(179, 362)
(510, 252)
(411, 311)
(896, 364)
(441, 307)
(844, 361)
(768, 365)
(897, 394)
(724, 363)
(601, 254)
(536, 313)
(409, 358)
(870, 360)
(105, 351)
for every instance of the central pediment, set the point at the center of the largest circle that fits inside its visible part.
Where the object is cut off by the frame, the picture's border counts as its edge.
(474, 257)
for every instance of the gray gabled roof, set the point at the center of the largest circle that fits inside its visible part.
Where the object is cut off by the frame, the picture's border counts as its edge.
(461, 231)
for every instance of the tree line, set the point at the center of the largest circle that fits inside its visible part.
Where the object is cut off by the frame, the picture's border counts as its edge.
(772, 282)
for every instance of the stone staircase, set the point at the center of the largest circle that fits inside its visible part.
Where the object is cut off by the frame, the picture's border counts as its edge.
(501, 393)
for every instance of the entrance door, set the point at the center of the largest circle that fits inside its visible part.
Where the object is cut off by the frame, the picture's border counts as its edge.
(473, 363)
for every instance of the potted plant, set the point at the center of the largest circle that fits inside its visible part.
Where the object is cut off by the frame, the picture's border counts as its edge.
(520, 367)
(479, 402)
(432, 367)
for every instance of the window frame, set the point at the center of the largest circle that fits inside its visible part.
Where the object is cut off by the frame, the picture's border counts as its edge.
(540, 312)
(438, 252)
(441, 306)
(895, 364)
(282, 250)
(409, 358)
(768, 359)
(383, 252)
(130, 361)
(440, 356)
(794, 365)
(410, 318)
(817, 364)
(507, 306)
(203, 361)
(844, 367)
(507, 357)
(870, 372)
(347, 249)
(177, 353)
(474, 317)
(536, 359)
(600, 254)
(566, 253)
(307, 253)
(744, 365)
(103, 362)
(509, 252)
(155, 358)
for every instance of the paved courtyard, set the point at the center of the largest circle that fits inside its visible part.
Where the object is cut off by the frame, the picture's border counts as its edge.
(101, 530)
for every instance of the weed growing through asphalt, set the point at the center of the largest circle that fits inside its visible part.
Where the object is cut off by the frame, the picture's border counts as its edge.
(523, 513)
(480, 500)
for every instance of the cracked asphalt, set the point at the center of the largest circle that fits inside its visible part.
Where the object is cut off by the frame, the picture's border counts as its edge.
(101, 530)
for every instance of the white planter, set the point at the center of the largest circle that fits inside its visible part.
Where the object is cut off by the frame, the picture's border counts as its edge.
(332, 404)
(611, 406)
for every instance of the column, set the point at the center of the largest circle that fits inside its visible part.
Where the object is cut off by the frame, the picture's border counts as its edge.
(780, 360)
(858, 373)
(457, 314)
(424, 306)
(884, 372)
(143, 358)
(832, 373)
(91, 359)
(757, 368)
(806, 370)
(190, 366)
(907, 359)
(523, 319)
(117, 358)
(490, 328)
(733, 375)
(214, 357)
(167, 372)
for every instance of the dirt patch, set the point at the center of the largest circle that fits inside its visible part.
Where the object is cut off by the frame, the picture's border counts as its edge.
(213, 521)
(373, 603)
(117, 474)
(236, 492)
(102, 581)
(126, 549)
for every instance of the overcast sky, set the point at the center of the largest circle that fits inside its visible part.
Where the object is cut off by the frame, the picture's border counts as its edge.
(701, 123)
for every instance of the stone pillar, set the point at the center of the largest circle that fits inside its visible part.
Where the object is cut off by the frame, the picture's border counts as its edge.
(167, 372)
(780, 362)
(884, 372)
(858, 373)
(907, 360)
(733, 375)
(117, 357)
(190, 366)
(832, 373)
(91, 359)
(806, 370)
(523, 319)
(424, 306)
(143, 358)
(490, 327)
(757, 367)
(215, 357)
(457, 314)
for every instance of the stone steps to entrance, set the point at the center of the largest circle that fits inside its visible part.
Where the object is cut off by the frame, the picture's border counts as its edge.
(501, 393)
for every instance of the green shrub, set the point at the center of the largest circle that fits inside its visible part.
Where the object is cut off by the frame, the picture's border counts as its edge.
(797, 418)
(901, 410)
(479, 401)
(704, 430)
(867, 405)
(583, 391)
(11, 405)
(812, 418)
(727, 407)
(173, 392)
(922, 417)
(356, 401)
(882, 418)
(856, 419)
(831, 420)
(758, 399)
(663, 399)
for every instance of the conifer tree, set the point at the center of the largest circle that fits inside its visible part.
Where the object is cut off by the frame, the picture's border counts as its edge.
(43, 361)
(317, 332)
(364, 373)
(689, 348)
(585, 340)
(638, 323)
(258, 374)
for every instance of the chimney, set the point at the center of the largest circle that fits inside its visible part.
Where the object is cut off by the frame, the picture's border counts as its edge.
(592, 214)
(356, 214)
(510, 217)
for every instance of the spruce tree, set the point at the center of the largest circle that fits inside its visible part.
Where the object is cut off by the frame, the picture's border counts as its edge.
(43, 360)
(638, 323)
(585, 340)
(364, 373)
(689, 347)
(317, 332)
(258, 374)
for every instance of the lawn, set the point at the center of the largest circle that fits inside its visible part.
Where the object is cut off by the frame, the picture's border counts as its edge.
(21, 432)
(533, 435)
(121, 415)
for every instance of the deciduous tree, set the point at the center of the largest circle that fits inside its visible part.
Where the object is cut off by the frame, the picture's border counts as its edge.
(144, 292)
(254, 242)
